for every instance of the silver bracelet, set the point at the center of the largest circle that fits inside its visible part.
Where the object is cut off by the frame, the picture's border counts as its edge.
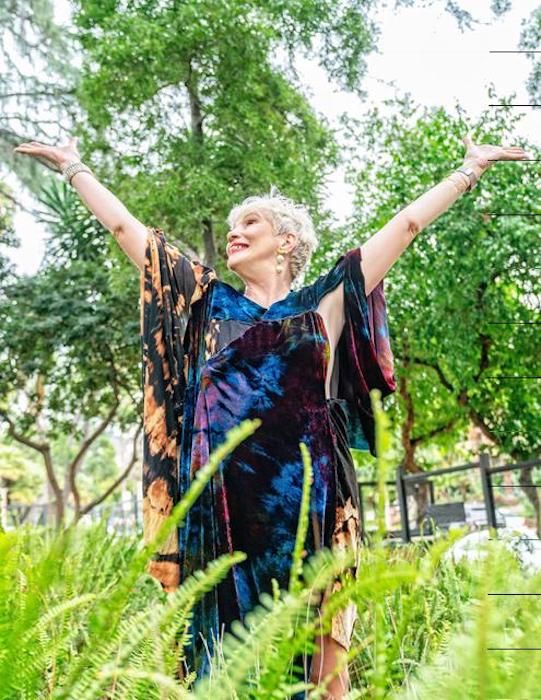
(463, 182)
(75, 166)
(472, 176)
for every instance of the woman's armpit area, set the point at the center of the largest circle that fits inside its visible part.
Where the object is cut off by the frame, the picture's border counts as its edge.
(331, 310)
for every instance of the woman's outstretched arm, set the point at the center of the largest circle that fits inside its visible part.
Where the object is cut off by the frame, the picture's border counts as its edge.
(382, 250)
(130, 233)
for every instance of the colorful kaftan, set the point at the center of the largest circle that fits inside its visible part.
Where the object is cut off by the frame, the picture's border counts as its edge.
(212, 357)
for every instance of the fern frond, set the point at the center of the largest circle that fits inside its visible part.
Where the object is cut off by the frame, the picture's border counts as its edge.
(161, 681)
(383, 466)
(247, 644)
(182, 601)
(302, 525)
(269, 629)
(383, 580)
(111, 609)
(130, 633)
(53, 613)
(325, 565)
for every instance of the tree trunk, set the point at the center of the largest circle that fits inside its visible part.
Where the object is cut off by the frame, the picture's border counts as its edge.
(196, 118)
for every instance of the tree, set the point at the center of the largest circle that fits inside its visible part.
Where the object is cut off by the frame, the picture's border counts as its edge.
(529, 42)
(206, 110)
(212, 88)
(36, 83)
(464, 297)
(69, 358)
(186, 108)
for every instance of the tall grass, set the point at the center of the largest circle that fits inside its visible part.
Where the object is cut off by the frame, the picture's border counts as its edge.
(81, 618)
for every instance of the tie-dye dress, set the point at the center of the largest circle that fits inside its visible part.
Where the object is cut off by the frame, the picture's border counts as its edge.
(212, 357)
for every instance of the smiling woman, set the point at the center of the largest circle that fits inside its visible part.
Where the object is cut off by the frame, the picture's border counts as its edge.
(277, 354)
(303, 361)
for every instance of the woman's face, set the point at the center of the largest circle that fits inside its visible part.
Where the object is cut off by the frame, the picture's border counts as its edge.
(251, 245)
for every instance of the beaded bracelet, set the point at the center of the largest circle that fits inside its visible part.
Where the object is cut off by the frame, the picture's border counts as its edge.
(73, 167)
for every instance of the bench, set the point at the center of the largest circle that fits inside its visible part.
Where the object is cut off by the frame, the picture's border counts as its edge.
(443, 515)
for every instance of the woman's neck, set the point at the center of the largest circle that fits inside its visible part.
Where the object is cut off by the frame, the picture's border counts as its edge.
(267, 293)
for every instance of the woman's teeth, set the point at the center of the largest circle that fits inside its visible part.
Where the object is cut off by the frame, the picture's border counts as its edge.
(238, 246)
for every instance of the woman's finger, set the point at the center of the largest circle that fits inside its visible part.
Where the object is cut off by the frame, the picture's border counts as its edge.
(33, 150)
(514, 155)
(28, 147)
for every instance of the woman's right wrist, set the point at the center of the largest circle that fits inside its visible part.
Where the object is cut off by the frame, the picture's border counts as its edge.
(72, 167)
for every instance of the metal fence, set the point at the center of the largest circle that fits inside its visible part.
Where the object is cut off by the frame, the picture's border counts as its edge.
(483, 514)
(123, 516)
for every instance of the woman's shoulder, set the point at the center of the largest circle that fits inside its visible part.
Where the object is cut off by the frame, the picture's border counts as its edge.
(328, 280)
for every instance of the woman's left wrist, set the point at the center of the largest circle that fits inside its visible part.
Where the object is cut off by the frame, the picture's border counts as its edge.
(479, 166)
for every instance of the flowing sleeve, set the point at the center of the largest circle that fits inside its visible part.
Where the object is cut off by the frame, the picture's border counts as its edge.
(169, 285)
(364, 350)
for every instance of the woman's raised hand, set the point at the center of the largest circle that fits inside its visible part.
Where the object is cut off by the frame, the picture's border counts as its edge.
(57, 156)
(485, 154)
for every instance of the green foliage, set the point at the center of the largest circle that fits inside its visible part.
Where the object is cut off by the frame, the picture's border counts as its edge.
(19, 474)
(70, 328)
(77, 606)
(202, 87)
(481, 659)
(80, 619)
(462, 298)
(529, 42)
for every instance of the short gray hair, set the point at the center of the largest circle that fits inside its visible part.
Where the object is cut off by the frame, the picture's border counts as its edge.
(285, 215)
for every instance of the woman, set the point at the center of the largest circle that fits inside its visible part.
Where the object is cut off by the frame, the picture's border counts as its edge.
(303, 361)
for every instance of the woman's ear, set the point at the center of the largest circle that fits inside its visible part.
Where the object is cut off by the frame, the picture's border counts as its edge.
(291, 241)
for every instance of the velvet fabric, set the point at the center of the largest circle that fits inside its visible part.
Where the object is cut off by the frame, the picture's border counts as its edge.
(212, 358)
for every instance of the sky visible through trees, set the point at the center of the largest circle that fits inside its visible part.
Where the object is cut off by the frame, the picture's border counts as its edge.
(421, 50)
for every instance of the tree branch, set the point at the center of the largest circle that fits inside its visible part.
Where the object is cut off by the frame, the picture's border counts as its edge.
(425, 363)
(13, 199)
(72, 468)
(19, 437)
(123, 475)
(445, 428)
(45, 451)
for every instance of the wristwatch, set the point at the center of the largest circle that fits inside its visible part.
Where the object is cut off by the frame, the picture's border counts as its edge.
(470, 172)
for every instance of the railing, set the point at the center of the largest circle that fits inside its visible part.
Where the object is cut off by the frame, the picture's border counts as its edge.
(403, 481)
(124, 516)
(487, 472)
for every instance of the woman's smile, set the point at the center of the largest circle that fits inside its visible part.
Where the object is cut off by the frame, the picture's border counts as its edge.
(235, 247)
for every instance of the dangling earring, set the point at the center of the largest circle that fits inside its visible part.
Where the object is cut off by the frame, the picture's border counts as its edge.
(280, 260)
